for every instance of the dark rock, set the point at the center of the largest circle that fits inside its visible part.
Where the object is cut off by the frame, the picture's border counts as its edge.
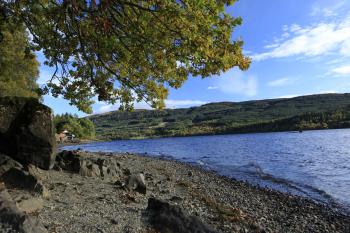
(119, 184)
(26, 131)
(114, 221)
(175, 199)
(86, 164)
(68, 160)
(14, 219)
(16, 178)
(14, 175)
(148, 176)
(126, 171)
(171, 219)
(6, 163)
(136, 182)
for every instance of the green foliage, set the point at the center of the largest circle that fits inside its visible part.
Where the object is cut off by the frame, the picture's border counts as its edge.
(301, 113)
(129, 50)
(18, 65)
(83, 128)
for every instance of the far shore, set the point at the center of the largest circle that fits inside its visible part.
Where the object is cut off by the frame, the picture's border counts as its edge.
(86, 141)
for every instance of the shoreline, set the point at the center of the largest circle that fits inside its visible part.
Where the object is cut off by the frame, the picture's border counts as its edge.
(225, 204)
(81, 142)
(328, 200)
(336, 207)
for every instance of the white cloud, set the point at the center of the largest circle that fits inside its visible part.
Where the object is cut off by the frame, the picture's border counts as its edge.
(326, 8)
(287, 96)
(295, 28)
(329, 92)
(106, 108)
(296, 95)
(311, 41)
(213, 87)
(345, 49)
(335, 61)
(279, 82)
(103, 107)
(247, 52)
(342, 70)
(235, 82)
(183, 103)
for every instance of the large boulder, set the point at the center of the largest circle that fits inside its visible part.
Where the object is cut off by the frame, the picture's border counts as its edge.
(26, 131)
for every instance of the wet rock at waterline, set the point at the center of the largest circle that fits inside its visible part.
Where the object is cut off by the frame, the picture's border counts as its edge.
(26, 131)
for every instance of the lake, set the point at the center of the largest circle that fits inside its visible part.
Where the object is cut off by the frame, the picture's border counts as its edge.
(313, 164)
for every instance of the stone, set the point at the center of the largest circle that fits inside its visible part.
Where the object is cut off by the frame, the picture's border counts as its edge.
(16, 178)
(6, 163)
(68, 161)
(27, 132)
(137, 183)
(87, 168)
(171, 219)
(86, 164)
(175, 199)
(14, 219)
(30, 206)
(119, 184)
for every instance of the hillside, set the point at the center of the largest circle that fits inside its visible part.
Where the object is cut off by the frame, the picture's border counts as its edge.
(305, 112)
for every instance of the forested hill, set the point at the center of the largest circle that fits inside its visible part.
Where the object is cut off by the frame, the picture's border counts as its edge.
(300, 113)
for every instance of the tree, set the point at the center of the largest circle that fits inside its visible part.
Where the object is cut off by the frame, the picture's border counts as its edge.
(127, 50)
(83, 128)
(18, 65)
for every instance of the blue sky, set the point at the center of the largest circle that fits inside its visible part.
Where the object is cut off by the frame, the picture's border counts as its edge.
(298, 47)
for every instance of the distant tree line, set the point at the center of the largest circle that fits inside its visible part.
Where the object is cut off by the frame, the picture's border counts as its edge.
(82, 128)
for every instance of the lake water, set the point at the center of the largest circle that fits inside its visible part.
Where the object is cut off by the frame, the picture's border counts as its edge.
(313, 164)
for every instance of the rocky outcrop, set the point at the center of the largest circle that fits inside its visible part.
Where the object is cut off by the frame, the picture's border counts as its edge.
(171, 219)
(6, 163)
(23, 197)
(26, 131)
(19, 179)
(105, 167)
(13, 220)
(16, 176)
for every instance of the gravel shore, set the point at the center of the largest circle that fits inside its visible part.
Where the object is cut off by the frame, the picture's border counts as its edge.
(88, 202)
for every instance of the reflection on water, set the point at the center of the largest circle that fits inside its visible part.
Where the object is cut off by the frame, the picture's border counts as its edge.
(315, 164)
